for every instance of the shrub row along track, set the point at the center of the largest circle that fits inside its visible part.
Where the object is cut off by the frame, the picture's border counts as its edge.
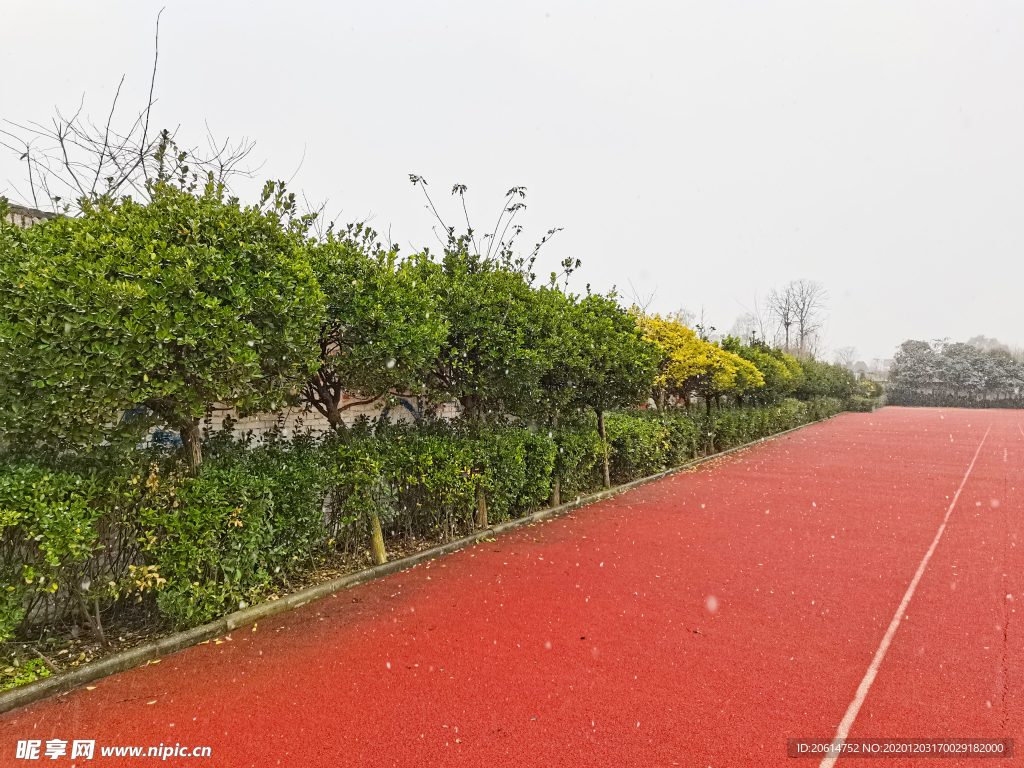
(590, 640)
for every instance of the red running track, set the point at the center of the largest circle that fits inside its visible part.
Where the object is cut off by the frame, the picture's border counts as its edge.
(589, 641)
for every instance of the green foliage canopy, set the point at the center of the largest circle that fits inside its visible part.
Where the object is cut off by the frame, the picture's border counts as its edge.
(616, 365)
(778, 379)
(823, 379)
(381, 329)
(492, 358)
(174, 306)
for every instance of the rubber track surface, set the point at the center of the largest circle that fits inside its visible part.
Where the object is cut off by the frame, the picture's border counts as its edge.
(589, 640)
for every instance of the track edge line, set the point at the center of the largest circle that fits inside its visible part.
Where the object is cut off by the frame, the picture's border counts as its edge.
(859, 697)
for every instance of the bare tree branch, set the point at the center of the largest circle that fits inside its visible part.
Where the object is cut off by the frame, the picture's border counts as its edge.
(641, 302)
(808, 307)
(71, 159)
(152, 87)
(846, 356)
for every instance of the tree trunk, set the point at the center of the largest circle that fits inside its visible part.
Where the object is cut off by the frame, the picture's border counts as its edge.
(333, 414)
(380, 555)
(95, 624)
(556, 481)
(604, 441)
(470, 408)
(191, 445)
(99, 623)
(481, 507)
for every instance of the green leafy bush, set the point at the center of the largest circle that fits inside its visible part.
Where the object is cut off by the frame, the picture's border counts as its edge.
(48, 531)
(428, 474)
(869, 388)
(858, 404)
(516, 469)
(223, 539)
(637, 446)
(431, 472)
(825, 380)
(742, 425)
(539, 463)
(579, 451)
(210, 537)
(200, 546)
(28, 672)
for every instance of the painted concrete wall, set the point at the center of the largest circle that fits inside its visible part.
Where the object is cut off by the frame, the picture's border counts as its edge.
(23, 217)
(298, 420)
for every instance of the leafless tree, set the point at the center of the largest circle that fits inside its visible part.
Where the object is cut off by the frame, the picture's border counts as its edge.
(809, 299)
(745, 328)
(685, 316)
(782, 308)
(760, 317)
(70, 158)
(846, 356)
(799, 310)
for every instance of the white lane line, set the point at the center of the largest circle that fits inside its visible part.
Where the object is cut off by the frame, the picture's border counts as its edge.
(876, 662)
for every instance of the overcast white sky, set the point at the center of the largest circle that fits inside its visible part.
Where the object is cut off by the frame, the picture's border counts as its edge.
(703, 151)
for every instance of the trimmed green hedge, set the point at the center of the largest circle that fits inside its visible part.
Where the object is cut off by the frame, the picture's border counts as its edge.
(73, 542)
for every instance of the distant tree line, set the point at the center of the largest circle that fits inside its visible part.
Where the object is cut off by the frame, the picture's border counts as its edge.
(944, 374)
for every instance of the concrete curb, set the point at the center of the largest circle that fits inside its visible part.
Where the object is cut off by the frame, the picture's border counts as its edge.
(136, 657)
